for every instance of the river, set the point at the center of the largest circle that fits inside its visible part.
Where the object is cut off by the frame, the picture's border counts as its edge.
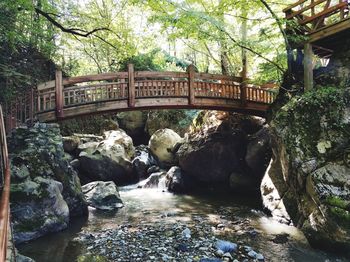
(230, 217)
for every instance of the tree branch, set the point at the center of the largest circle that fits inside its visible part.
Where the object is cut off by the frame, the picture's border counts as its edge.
(74, 31)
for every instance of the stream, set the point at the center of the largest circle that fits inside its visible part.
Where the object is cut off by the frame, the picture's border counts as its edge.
(153, 213)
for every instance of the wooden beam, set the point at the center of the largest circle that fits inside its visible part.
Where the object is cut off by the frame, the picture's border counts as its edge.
(131, 85)
(327, 12)
(59, 94)
(308, 67)
(191, 90)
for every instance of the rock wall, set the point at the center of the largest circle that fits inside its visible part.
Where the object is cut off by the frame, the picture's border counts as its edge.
(310, 172)
(45, 190)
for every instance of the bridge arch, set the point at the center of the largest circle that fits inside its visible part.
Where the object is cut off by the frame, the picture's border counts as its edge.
(71, 97)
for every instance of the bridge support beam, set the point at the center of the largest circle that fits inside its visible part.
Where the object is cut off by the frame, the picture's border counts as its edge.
(131, 85)
(308, 67)
(191, 90)
(59, 94)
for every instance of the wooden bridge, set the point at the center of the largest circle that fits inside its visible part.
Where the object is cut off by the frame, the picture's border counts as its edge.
(319, 27)
(76, 96)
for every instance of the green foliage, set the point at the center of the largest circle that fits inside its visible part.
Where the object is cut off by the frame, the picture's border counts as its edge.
(338, 202)
(92, 258)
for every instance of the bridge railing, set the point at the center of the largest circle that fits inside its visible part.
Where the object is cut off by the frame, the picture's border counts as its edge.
(315, 15)
(129, 87)
(5, 190)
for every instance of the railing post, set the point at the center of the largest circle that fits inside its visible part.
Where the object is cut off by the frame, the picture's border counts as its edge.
(243, 85)
(59, 94)
(31, 107)
(308, 67)
(191, 90)
(131, 85)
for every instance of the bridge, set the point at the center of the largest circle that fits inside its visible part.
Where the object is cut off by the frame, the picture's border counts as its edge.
(64, 98)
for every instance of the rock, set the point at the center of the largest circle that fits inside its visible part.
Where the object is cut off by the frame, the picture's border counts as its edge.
(37, 208)
(153, 169)
(177, 120)
(70, 143)
(186, 233)
(309, 168)
(21, 258)
(182, 247)
(102, 195)
(228, 256)
(162, 143)
(252, 254)
(258, 154)
(226, 246)
(210, 260)
(175, 180)
(153, 180)
(214, 150)
(133, 123)
(108, 160)
(143, 161)
(45, 189)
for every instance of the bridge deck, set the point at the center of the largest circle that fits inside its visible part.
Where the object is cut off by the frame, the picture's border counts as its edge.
(93, 94)
(323, 23)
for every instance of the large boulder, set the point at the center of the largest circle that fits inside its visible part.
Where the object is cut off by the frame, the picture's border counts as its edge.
(177, 120)
(214, 149)
(37, 208)
(109, 159)
(162, 145)
(309, 169)
(45, 190)
(143, 161)
(102, 195)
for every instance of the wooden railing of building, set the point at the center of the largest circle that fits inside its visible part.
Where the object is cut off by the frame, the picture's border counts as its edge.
(312, 17)
(5, 191)
(69, 97)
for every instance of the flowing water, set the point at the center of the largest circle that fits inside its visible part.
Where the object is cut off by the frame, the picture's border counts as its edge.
(250, 225)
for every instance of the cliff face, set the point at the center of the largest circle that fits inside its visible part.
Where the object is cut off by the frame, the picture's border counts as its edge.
(310, 169)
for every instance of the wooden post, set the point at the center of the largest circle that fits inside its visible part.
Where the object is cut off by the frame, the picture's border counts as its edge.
(131, 86)
(308, 67)
(191, 90)
(59, 94)
(31, 107)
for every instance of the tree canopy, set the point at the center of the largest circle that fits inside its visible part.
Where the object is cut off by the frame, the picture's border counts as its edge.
(95, 36)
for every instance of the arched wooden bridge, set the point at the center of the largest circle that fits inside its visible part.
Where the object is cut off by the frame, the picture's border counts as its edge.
(75, 96)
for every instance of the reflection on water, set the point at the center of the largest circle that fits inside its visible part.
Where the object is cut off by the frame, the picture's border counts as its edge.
(153, 205)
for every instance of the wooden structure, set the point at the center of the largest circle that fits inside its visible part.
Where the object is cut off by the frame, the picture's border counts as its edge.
(321, 26)
(5, 192)
(134, 90)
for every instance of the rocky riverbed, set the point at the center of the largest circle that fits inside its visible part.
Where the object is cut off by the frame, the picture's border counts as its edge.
(160, 226)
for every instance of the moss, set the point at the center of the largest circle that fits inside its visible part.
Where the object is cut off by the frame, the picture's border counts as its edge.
(338, 202)
(30, 225)
(91, 258)
(341, 216)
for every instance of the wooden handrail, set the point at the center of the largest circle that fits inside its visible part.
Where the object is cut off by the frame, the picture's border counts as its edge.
(5, 195)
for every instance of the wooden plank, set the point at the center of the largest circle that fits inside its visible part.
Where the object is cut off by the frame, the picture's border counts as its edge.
(205, 76)
(302, 10)
(59, 94)
(308, 67)
(99, 77)
(329, 30)
(324, 13)
(131, 85)
(150, 74)
(46, 85)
